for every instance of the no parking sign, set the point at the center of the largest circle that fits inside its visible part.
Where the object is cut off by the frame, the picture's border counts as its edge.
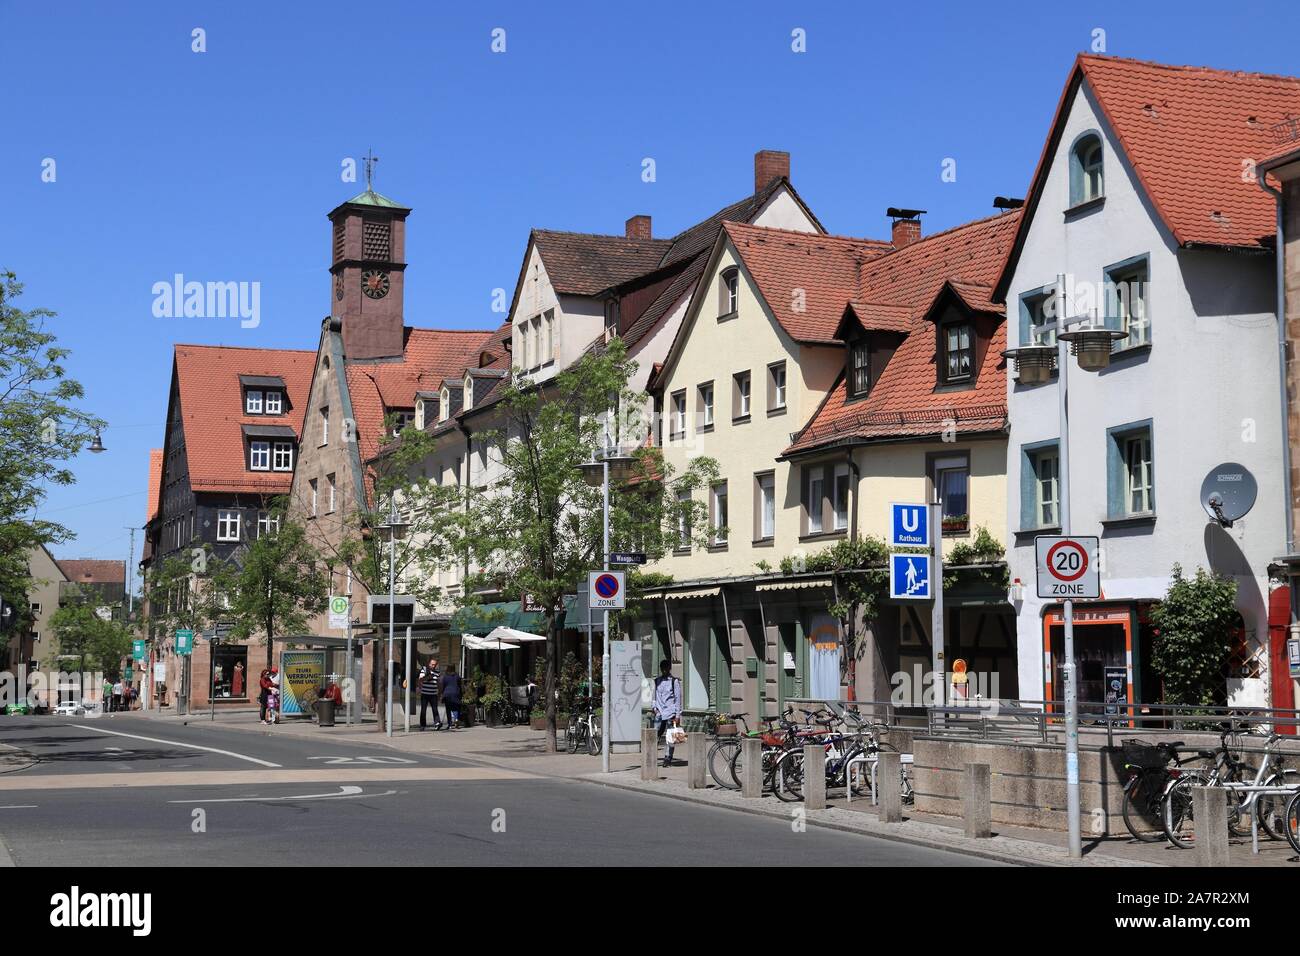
(605, 590)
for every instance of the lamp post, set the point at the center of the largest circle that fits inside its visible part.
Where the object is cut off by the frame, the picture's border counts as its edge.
(393, 524)
(1091, 345)
(597, 473)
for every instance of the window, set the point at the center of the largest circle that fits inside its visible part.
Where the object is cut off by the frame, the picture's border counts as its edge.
(765, 506)
(253, 402)
(1086, 179)
(1041, 488)
(951, 481)
(259, 455)
(1038, 317)
(548, 336)
(315, 498)
(467, 393)
(325, 425)
(401, 420)
(728, 293)
(1126, 302)
(816, 499)
(958, 351)
(274, 403)
(329, 492)
(840, 497)
(705, 405)
(267, 523)
(683, 520)
(1137, 473)
(228, 525)
(860, 368)
(776, 387)
(679, 414)
(718, 512)
(659, 420)
(740, 396)
(36, 609)
(283, 456)
(444, 404)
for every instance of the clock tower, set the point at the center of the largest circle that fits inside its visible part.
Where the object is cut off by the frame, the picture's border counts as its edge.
(367, 264)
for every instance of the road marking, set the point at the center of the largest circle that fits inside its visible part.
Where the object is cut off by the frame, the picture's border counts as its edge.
(177, 743)
(333, 761)
(247, 778)
(344, 793)
(20, 806)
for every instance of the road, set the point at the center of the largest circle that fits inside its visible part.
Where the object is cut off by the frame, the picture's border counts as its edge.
(139, 792)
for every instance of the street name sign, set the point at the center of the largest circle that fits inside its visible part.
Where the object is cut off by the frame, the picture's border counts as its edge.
(909, 526)
(1067, 567)
(626, 557)
(605, 589)
(909, 577)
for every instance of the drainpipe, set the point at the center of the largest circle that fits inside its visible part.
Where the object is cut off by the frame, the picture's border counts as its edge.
(465, 488)
(856, 474)
(1279, 260)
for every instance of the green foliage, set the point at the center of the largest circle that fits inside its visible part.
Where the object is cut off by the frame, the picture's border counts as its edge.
(41, 431)
(182, 593)
(982, 549)
(1193, 636)
(99, 644)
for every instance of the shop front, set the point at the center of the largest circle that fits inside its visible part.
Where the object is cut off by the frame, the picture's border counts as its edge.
(1111, 641)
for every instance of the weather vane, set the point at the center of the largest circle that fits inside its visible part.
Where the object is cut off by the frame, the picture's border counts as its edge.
(370, 160)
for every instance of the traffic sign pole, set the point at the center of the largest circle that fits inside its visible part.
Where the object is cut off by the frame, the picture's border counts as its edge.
(1071, 685)
(604, 662)
(940, 672)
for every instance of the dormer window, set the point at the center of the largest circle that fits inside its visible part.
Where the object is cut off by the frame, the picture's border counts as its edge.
(444, 404)
(958, 360)
(253, 402)
(401, 420)
(274, 403)
(259, 456)
(728, 293)
(859, 368)
(1087, 181)
(468, 399)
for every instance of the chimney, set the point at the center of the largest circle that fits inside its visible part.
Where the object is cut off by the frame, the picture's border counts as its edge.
(770, 164)
(906, 228)
(638, 227)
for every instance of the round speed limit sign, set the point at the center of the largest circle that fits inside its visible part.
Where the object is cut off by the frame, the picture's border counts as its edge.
(1067, 567)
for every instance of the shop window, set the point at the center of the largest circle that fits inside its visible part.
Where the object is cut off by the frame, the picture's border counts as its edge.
(230, 671)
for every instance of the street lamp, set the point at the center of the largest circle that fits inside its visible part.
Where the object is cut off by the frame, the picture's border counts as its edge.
(597, 473)
(1091, 344)
(394, 525)
(97, 445)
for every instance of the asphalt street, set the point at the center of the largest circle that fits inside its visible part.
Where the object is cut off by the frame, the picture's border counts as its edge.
(133, 791)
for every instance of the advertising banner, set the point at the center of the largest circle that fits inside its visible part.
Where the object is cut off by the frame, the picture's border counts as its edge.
(302, 675)
(626, 680)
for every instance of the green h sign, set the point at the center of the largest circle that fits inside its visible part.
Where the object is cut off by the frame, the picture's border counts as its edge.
(184, 641)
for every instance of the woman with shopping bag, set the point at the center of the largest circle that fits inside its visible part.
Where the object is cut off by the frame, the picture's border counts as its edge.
(668, 708)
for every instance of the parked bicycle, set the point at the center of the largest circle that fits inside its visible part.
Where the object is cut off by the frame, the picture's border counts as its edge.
(584, 728)
(1151, 768)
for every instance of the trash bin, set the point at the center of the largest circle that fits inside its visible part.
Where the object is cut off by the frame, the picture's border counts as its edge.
(325, 712)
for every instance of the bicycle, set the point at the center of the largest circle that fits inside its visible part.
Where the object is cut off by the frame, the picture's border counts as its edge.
(1149, 779)
(1291, 821)
(723, 751)
(584, 729)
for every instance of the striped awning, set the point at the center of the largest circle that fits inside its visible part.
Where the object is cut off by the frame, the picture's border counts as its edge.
(691, 593)
(792, 585)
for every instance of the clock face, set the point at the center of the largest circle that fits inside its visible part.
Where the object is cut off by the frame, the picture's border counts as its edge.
(374, 283)
(338, 286)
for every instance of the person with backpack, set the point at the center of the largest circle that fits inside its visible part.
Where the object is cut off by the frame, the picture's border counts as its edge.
(428, 685)
(450, 690)
(667, 704)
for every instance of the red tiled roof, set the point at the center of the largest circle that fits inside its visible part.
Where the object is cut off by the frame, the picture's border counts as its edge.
(429, 356)
(213, 408)
(904, 402)
(155, 483)
(580, 263)
(805, 278)
(93, 570)
(1187, 131)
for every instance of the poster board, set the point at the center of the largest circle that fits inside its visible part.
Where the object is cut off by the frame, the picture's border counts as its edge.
(302, 675)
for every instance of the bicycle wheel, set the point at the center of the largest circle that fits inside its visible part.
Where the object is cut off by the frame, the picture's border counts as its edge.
(1291, 822)
(1142, 810)
(1177, 814)
(571, 735)
(593, 737)
(720, 758)
(1272, 808)
(788, 777)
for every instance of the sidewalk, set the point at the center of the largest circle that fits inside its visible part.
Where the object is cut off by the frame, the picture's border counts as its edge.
(520, 748)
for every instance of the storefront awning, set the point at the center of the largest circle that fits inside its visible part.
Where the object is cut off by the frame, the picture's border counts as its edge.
(691, 593)
(482, 619)
(792, 585)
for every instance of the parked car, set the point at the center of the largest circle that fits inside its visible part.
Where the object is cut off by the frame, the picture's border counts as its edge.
(27, 705)
(70, 708)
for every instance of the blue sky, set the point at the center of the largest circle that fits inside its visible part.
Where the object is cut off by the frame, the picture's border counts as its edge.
(222, 165)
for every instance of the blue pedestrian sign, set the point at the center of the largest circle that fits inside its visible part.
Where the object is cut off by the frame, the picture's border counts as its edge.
(909, 577)
(909, 526)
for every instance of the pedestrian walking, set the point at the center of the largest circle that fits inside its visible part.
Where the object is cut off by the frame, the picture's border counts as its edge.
(428, 684)
(263, 693)
(667, 704)
(106, 698)
(117, 695)
(273, 696)
(450, 690)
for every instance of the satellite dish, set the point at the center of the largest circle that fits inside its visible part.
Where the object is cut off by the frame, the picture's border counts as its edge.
(1228, 493)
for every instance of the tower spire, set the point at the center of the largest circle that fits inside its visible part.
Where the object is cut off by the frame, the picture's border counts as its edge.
(370, 159)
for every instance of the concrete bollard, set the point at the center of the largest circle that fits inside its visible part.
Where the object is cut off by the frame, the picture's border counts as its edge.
(977, 801)
(1210, 819)
(649, 754)
(814, 777)
(888, 775)
(751, 770)
(697, 757)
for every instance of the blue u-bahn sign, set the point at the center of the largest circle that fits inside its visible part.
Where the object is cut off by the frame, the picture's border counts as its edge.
(909, 526)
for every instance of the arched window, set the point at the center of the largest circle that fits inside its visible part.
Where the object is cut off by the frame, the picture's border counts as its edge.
(1087, 181)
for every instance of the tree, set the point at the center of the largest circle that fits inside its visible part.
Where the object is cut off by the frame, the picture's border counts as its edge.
(82, 633)
(41, 430)
(276, 587)
(538, 529)
(184, 592)
(1194, 625)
